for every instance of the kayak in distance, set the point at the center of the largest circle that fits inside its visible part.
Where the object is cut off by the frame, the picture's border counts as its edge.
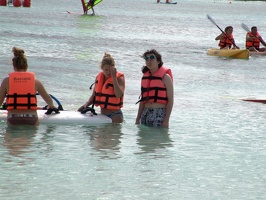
(255, 100)
(230, 53)
(166, 2)
(256, 53)
(78, 13)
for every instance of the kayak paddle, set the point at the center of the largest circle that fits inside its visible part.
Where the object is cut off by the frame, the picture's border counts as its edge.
(212, 21)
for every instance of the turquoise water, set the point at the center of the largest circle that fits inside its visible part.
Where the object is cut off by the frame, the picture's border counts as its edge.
(215, 146)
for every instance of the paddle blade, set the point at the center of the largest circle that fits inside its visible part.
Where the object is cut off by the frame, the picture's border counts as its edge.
(245, 27)
(211, 19)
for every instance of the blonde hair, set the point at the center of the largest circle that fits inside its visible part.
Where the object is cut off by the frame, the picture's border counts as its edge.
(19, 59)
(107, 60)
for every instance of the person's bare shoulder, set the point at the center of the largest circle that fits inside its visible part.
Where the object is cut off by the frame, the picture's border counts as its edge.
(5, 81)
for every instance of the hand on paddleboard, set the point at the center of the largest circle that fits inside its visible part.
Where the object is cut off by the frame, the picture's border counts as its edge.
(50, 110)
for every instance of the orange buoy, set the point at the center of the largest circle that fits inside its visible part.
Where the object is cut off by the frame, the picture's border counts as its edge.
(3, 3)
(17, 3)
(26, 3)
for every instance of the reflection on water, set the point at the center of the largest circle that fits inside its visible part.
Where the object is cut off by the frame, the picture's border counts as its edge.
(47, 138)
(18, 139)
(152, 139)
(106, 140)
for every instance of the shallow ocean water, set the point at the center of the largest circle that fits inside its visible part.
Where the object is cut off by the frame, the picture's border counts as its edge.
(215, 146)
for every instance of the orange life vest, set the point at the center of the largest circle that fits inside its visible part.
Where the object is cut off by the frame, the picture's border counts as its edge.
(255, 42)
(226, 41)
(152, 86)
(22, 93)
(104, 93)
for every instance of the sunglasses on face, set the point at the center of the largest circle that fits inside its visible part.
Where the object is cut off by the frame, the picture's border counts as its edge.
(149, 57)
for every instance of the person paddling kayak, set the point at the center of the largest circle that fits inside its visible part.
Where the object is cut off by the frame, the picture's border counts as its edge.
(226, 39)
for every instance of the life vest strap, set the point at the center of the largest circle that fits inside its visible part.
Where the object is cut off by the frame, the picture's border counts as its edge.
(15, 96)
(152, 88)
(106, 103)
(104, 95)
(109, 84)
(152, 78)
(151, 97)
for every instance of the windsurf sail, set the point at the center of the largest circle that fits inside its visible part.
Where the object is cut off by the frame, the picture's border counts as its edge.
(84, 4)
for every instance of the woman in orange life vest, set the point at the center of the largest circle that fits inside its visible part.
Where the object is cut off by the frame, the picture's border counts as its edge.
(108, 90)
(226, 41)
(21, 87)
(253, 40)
(157, 92)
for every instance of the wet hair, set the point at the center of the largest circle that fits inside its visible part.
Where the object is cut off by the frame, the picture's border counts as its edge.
(19, 59)
(227, 28)
(158, 58)
(107, 60)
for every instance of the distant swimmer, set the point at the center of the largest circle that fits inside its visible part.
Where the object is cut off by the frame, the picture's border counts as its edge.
(91, 4)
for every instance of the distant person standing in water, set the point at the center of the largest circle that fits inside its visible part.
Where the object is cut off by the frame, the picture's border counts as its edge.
(91, 4)
(157, 92)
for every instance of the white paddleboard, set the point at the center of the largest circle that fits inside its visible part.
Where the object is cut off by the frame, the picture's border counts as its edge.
(66, 117)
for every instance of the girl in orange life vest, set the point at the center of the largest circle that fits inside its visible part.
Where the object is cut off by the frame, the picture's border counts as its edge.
(157, 92)
(226, 41)
(20, 88)
(253, 40)
(108, 90)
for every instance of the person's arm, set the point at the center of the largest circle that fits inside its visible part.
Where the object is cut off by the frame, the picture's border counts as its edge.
(233, 42)
(3, 90)
(140, 110)
(219, 37)
(46, 97)
(262, 41)
(90, 100)
(170, 96)
(119, 84)
(249, 38)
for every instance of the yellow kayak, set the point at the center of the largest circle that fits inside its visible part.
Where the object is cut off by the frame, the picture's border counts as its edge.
(231, 53)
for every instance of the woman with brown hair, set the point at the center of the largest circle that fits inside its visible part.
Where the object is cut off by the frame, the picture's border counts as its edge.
(19, 89)
(108, 90)
(157, 92)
